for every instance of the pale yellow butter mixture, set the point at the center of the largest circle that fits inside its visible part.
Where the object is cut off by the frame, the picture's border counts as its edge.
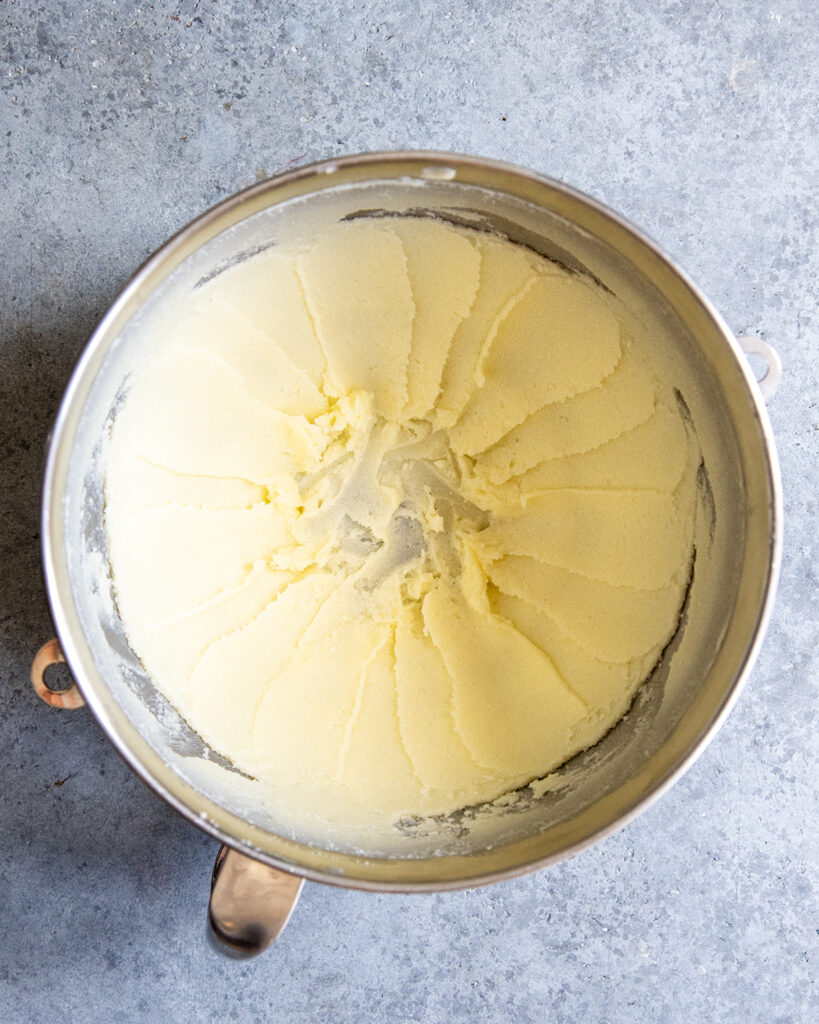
(399, 519)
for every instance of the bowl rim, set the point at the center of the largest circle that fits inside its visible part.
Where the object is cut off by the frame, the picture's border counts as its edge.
(59, 591)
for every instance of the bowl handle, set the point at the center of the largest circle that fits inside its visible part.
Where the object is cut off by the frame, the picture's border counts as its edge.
(51, 654)
(250, 903)
(769, 381)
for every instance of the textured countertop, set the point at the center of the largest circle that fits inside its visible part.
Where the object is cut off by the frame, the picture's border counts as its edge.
(696, 120)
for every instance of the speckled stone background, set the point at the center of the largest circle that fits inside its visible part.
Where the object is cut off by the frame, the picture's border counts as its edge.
(698, 120)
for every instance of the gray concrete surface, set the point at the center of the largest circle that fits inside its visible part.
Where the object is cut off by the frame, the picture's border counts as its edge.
(697, 120)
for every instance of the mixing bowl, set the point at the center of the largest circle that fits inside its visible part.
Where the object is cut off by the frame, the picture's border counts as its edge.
(260, 869)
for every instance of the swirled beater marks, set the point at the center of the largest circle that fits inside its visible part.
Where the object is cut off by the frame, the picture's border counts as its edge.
(400, 518)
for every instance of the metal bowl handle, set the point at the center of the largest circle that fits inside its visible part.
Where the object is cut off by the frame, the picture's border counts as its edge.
(51, 654)
(770, 380)
(250, 903)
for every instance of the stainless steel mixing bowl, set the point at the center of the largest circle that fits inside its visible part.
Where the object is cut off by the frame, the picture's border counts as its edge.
(677, 711)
